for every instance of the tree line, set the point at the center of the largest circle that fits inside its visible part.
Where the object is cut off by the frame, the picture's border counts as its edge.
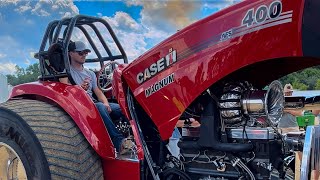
(307, 79)
(24, 75)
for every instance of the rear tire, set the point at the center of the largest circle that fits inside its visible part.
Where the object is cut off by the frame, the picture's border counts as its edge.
(47, 141)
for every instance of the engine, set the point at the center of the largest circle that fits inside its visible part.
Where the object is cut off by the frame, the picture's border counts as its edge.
(238, 136)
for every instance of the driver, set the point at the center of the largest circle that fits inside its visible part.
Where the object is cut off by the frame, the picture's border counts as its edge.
(88, 81)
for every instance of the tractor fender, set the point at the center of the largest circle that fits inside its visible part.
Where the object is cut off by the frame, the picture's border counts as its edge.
(119, 88)
(74, 101)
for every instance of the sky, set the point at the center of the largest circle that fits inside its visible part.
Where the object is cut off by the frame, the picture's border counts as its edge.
(139, 25)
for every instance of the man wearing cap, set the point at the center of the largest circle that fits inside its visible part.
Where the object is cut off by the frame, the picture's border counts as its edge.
(288, 90)
(88, 81)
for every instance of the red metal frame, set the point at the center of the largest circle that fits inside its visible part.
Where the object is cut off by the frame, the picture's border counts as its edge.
(114, 169)
(121, 169)
(119, 89)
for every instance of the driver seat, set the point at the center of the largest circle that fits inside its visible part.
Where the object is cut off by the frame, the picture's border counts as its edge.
(56, 65)
(56, 62)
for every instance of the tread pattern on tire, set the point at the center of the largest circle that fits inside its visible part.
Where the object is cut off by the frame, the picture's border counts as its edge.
(68, 153)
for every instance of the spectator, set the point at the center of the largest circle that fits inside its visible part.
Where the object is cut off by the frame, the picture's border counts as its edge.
(288, 90)
(175, 137)
(288, 122)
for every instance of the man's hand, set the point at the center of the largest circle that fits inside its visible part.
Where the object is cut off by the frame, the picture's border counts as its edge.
(85, 84)
(102, 98)
(194, 123)
(108, 107)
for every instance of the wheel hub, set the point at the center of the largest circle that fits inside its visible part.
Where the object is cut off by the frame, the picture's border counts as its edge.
(11, 166)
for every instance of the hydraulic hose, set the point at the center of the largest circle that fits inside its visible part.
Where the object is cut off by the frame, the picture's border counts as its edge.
(239, 163)
(170, 172)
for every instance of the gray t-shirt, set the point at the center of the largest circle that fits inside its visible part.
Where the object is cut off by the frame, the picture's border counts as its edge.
(80, 76)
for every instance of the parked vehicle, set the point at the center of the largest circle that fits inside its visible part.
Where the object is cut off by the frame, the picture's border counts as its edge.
(214, 71)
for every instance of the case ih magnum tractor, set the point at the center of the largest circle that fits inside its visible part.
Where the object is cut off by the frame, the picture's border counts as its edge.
(214, 71)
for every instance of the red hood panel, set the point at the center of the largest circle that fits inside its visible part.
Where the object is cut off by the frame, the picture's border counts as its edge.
(249, 35)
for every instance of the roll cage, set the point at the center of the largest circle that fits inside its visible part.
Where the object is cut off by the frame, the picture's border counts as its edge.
(60, 32)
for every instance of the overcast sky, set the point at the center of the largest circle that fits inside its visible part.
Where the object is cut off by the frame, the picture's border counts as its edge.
(138, 25)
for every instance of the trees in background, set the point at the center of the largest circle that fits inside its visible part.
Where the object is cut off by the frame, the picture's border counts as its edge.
(29, 74)
(307, 79)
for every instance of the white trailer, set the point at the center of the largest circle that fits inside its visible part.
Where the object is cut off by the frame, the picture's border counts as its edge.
(4, 88)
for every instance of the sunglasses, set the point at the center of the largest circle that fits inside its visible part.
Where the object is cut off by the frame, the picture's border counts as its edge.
(81, 53)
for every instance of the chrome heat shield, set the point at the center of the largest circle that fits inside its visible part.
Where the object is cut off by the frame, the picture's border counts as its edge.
(250, 133)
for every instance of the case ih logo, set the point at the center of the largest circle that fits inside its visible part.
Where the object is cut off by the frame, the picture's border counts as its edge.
(158, 66)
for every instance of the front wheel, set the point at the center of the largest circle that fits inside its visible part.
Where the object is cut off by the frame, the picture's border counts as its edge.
(40, 141)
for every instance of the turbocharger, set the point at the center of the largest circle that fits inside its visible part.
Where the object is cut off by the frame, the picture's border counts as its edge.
(240, 102)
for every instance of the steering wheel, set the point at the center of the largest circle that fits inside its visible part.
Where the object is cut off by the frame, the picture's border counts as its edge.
(105, 75)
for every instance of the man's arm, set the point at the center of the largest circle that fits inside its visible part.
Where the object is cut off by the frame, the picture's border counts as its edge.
(102, 98)
(316, 112)
(294, 112)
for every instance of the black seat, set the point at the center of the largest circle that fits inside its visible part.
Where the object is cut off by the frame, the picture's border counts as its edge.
(55, 65)
(56, 62)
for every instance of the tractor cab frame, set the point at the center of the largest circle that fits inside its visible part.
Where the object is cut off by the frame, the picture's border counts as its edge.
(53, 52)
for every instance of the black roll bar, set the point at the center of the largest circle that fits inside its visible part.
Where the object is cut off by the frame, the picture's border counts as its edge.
(53, 31)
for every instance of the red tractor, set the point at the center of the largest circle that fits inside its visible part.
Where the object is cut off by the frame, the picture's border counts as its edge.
(214, 71)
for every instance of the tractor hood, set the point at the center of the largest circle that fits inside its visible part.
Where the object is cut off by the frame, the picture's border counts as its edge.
(258, 41)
